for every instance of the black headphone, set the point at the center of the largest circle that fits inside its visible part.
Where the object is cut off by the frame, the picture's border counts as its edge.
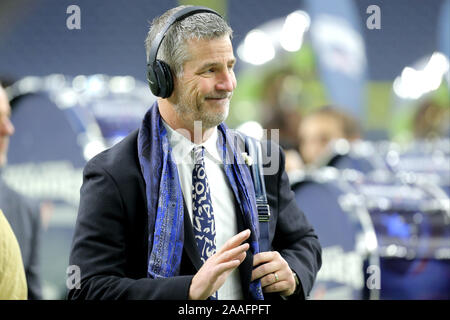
(159, 76)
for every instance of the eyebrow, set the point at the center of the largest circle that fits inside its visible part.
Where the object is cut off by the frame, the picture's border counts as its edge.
(213, 64)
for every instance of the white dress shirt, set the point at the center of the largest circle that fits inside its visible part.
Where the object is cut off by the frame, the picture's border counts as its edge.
(221, 196)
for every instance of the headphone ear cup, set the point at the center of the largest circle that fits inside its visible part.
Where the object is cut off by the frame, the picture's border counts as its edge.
(160, 79)
(166, 79)
(152, 79)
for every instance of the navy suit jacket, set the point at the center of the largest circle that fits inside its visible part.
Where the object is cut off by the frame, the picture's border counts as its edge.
(110, 243)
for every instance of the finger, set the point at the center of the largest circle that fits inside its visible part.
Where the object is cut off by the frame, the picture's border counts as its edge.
(232, 253)
(235, 240)
(281, 275)
(241, 257)
(277, 287)
(264, 257)
(221, 272)
(265, 269)
(269, 279)
(211, 277)
(226, 266)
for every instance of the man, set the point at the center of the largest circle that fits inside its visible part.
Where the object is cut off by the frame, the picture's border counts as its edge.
(22, 214)
(164, 214)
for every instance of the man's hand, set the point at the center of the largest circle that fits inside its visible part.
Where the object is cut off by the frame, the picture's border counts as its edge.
(218, 267)
(274, 272)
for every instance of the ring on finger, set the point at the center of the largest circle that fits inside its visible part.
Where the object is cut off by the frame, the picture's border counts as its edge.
(276, 276)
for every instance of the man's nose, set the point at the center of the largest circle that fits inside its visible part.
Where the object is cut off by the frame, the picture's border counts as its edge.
(227, 82)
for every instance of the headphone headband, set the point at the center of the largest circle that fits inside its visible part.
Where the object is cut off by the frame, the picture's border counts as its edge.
(178, 16)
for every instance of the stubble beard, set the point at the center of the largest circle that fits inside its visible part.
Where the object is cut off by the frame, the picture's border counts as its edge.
(192, 111)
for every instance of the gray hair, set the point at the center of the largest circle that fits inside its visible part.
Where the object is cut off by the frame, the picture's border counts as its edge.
(173, 49)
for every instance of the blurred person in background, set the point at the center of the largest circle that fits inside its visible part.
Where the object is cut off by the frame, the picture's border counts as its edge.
(281, 107)
(431, 121)
(13, 285)
(22, 213)
(319, 129)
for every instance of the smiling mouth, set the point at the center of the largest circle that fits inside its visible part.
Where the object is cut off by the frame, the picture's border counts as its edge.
(217, 98)
(221, 99)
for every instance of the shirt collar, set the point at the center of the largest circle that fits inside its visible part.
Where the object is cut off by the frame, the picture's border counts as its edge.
(182, 147)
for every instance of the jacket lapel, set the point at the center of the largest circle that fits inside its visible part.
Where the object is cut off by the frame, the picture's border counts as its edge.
(190, 245)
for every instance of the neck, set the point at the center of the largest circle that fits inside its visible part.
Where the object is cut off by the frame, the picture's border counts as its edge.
(190, 129)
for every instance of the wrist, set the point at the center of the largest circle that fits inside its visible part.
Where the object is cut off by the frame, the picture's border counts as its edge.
(193, 292)
(297, 283)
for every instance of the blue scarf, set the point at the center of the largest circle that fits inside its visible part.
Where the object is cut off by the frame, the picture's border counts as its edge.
(164, 196)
